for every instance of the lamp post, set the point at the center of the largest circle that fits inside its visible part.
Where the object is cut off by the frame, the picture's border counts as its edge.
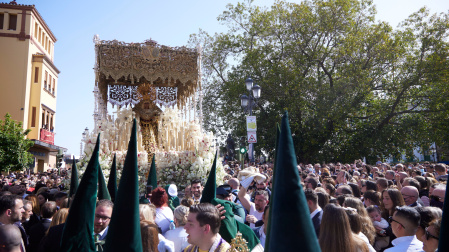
(248, 102)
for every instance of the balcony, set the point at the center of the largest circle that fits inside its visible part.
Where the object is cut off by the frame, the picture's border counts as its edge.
(47, 136)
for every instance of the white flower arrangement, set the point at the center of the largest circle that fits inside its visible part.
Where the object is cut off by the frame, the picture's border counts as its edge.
(178, 167)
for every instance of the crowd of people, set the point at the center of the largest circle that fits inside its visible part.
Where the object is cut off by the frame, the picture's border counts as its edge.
(353, 207)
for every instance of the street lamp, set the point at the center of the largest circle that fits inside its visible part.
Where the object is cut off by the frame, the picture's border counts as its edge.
(248, 102)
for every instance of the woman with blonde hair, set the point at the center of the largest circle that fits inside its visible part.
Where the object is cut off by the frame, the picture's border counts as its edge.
(36, 216)
(147, 225)
(368, 228)
(178, 235)
(336, 234)
(147, 212)
(58, 218)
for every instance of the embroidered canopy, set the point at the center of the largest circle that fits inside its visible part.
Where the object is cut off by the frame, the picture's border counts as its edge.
(123, 68)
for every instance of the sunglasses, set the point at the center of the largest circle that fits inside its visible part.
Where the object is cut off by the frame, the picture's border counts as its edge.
(405, 196)
(429, 235)
(436, 198)
(390, 219)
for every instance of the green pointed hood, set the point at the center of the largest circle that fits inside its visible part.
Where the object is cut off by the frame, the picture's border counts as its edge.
(74, 181)
(124, 228)
(152, 175)
(112, 182)
(443, 244)
(210, 189)
(103, 192)
(278, 134)
(290, 218)
(79, 226)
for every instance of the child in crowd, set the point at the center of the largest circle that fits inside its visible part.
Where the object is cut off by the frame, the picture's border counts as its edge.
(378, 222)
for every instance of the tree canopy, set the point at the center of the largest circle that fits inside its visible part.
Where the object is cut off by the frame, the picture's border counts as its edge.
(353, 86)
(14, 145)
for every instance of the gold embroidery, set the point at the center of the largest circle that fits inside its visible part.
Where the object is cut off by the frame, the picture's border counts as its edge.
(239, 244)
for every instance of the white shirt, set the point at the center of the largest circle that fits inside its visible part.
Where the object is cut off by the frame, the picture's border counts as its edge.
(164, 244)
(365, 239)
(382, 223)
(163, 217)
(103, 234)
(255, 213)
(406, 244)
(312, 214)
(262, 236)
(179, 237)
(197, 201)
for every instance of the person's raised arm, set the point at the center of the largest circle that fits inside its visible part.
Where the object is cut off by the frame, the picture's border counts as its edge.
(243, 200)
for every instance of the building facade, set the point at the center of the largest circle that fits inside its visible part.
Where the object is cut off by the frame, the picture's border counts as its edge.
(29, 78)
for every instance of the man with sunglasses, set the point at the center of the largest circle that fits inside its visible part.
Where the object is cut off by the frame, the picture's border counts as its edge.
(437, 196)
(410, 195)
(404, 224)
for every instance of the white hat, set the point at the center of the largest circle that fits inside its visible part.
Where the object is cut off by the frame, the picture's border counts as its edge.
(173, 190)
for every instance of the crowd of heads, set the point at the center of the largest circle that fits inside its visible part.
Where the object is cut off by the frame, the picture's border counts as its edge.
(26, 201)
(389, 201)
(362, 205)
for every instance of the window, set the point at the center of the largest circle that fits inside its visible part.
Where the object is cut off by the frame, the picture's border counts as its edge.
(40, 35)
(36, 26)
(12, 22)
(2, 16)
(33, 117)
(51, 123)
(43, 119)
(36, 74)
(49, 84)
(45, 80)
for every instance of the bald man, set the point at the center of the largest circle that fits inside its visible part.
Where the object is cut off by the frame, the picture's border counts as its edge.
(234, 184)
(437, 197)
(410, 195)
(10, 238)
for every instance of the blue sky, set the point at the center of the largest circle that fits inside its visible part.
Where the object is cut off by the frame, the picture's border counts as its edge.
(170, 22)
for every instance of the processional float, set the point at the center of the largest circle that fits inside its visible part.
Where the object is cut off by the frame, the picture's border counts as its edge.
(149, 78)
